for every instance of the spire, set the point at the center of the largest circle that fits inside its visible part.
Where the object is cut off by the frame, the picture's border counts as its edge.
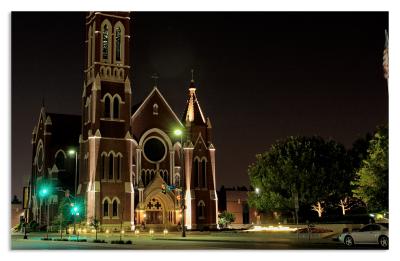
(42, 101)
(193, 112)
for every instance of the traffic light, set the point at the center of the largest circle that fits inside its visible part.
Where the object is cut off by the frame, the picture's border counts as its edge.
(163, 189)
(75, 209)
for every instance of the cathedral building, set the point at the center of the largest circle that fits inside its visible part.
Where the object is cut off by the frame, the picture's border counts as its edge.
(136, 168)
(52, 165)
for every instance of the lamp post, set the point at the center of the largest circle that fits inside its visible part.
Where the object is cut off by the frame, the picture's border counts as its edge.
(74, 152)
(179, 133)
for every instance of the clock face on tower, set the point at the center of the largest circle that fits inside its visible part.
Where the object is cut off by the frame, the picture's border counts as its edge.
(40, 155)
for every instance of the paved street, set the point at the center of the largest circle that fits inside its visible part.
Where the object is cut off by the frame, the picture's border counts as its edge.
(199, 241)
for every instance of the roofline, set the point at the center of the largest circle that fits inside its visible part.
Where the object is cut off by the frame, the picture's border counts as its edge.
(155, 89)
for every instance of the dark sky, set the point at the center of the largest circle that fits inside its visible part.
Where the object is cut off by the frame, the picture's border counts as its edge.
(260, 76)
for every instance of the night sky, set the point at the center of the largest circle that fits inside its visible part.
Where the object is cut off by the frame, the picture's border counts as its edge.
(260, 76)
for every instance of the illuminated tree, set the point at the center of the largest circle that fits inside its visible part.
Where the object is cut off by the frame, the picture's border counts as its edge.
(225, 218)
(315, 169)
(372, 183)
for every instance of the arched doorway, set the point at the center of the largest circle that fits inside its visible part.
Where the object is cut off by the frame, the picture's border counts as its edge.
(154, 212)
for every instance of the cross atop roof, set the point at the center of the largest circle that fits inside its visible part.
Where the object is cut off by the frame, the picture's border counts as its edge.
(155, 77)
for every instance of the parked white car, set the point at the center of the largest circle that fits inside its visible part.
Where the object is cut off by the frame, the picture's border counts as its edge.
(369, 234)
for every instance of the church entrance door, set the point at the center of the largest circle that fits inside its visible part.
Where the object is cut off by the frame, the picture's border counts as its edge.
(154, 217)
(154, 212)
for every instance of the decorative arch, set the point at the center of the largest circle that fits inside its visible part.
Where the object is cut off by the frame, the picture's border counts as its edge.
(158, 131)
(105, 40)
(105, 207)
(60, 157)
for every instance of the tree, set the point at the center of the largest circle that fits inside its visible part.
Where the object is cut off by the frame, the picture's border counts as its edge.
(348, 203)
(372, 181)
(314, 169)
(95, 223)
(225, 218)
(63, 219)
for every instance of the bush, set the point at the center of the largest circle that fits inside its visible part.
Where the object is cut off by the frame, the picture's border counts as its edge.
(128, 242)
(225, 218)
(59, 239)
(46, 238)
(99, 241)
(117, 242)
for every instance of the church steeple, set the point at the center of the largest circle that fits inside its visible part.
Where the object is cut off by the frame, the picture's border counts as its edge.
(193, 112)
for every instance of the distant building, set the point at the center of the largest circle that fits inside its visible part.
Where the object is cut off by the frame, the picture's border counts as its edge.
(235, 200)
(17, 211)
(52, 138)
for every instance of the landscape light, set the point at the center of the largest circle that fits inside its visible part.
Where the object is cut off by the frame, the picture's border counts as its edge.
(71, 152)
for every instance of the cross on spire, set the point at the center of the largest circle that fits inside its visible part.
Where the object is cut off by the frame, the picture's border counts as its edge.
(155, 77)
(192, 75)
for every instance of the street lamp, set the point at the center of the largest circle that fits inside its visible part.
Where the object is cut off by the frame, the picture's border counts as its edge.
(257, 191)
(74, 152)
(71, 153)
(179, 133)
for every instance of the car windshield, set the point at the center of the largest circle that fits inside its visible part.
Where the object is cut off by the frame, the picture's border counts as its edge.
(386, 225)
(372, 227)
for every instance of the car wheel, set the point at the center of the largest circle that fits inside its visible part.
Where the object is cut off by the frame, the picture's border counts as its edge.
(383, 241)
(348, 241)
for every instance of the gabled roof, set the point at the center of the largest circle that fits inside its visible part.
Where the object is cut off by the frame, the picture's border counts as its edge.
(193, 112)
(65, 128)
(139, 107)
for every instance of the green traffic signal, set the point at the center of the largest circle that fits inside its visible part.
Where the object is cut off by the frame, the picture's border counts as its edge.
(44, 192)
(75, 210)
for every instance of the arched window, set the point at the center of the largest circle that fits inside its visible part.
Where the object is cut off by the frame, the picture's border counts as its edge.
(203, 173)
(111, 167)
(201, 209)
(107, 107)
(60, 160)
(196, 172)
(119, 159)
(115, 208)
(116, 108)
(118, 44)
(105, 208)
(103, 166)
(105, 42)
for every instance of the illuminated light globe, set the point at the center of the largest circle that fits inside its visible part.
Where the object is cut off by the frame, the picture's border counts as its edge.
(178, 132)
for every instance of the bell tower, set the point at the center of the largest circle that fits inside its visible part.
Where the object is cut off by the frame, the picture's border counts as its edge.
(105, 141)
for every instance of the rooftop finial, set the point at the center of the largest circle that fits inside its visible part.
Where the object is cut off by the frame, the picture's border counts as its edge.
(155, 77)
(192, 75)
(42, 101)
